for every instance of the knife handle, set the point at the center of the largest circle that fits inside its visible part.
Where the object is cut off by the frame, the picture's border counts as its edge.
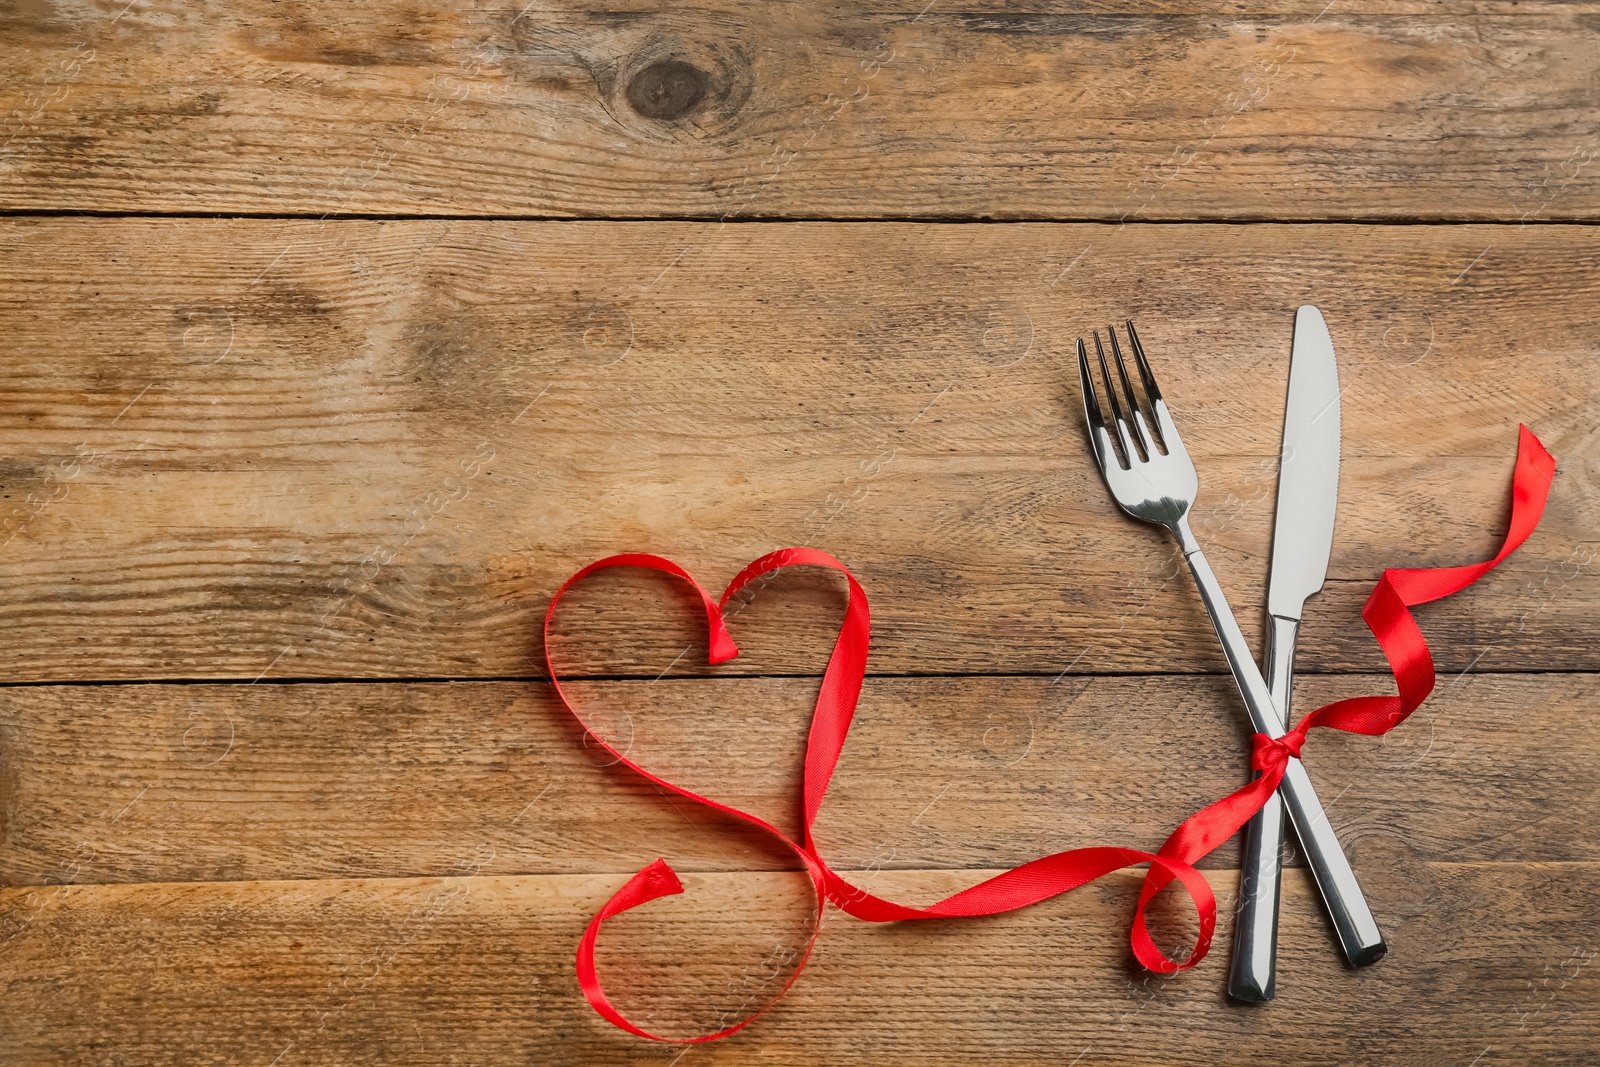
(1352, 919)
(1252, 976)
(1255, 933)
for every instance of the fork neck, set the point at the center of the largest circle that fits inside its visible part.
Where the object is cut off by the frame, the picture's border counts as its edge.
(1185, 536)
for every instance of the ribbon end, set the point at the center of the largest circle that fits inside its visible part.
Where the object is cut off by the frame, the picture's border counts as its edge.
(1528, 444)
(658, 880)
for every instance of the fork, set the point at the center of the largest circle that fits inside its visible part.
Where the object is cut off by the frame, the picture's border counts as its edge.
(1152, 478)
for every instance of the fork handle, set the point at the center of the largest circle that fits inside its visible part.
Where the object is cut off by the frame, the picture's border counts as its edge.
(1352, 919)
(1357, 930)
(1258, 702)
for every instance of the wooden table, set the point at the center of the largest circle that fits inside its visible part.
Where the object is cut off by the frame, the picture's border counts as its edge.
(336, 337)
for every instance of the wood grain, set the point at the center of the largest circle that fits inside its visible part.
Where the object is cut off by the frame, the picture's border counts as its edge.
(269, 449)
(1492, 961)
(241, 782)
(1151, 110)
(283, 499)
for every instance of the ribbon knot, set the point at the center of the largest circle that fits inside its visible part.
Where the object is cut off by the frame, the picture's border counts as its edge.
(1272, 753)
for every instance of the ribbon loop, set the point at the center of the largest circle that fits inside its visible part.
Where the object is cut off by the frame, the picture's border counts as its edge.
(836, 702)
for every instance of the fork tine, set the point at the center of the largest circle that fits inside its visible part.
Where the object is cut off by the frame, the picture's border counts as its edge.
(1145, 376)
(1116, 406)
(1163, 420)
(1099, 437)
(1141, 430)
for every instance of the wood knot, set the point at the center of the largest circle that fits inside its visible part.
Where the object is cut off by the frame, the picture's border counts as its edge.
(667, 89)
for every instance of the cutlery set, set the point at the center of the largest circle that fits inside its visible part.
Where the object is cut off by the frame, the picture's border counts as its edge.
(1151, 477)
(1136, 445)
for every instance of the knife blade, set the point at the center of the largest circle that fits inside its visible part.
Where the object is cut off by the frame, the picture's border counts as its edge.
(1308, 470)
(1302, 541)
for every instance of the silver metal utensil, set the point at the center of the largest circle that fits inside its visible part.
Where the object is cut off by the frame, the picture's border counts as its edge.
(1302, 540)
(1152, 478)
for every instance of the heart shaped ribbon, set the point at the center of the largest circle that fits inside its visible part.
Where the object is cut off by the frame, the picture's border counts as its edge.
(1386, 613)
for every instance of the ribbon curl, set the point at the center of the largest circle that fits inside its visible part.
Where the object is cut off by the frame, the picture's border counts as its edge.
(1387, 614)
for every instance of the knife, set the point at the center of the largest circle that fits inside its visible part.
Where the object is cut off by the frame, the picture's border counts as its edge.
(1302, 539)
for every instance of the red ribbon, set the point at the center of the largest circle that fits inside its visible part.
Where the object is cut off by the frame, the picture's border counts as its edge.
(1386, 613)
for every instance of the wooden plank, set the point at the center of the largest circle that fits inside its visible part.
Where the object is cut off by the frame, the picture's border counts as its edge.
(1153, 110)
(287, 450)
(1493, 961)
(268, 449)
(217, 782)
